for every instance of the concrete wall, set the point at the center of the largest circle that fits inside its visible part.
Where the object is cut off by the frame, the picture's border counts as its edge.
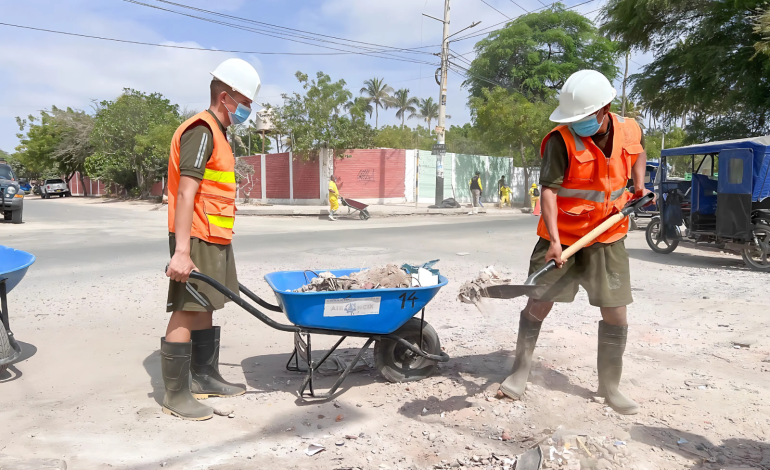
(460, 168)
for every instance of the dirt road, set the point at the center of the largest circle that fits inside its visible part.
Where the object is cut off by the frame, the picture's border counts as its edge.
(90, 314)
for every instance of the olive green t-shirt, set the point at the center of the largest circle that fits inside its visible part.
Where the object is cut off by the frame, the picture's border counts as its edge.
(196, 147)
(556, 160)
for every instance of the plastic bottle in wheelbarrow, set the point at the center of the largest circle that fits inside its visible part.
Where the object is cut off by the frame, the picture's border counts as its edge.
(372, 311)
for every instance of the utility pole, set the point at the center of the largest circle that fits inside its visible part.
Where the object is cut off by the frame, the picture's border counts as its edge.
(440, 148)
(625, 78)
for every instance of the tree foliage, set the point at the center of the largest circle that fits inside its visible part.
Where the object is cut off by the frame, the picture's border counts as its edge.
(313, 119)
(510, 124)
(427, 111)
(131, 138)
(704, 63)
(535, 53)
(396, 137)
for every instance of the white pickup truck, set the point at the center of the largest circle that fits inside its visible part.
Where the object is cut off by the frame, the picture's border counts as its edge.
(54, 187)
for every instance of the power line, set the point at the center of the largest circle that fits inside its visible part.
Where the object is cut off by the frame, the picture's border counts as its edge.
(169, 45)
(521, 6)
(482, 31)
(369, 51)
(490, 6)
(223, 15)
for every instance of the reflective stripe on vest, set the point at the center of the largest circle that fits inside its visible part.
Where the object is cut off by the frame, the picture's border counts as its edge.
(589, 194)
(579, 145)
(219, 176)
(220, 221)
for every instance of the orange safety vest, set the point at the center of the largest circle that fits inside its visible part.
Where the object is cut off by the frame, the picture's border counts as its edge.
(594, 186)
(214, 210)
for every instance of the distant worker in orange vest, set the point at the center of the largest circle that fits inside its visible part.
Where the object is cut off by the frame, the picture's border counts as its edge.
(587, 161)
(201, 213)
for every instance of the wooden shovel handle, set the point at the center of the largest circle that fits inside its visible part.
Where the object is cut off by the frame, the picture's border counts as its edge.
(591, 236)
(606, 225)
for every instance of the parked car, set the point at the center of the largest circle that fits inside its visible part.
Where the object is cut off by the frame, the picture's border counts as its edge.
(11, 195)
(54, 187)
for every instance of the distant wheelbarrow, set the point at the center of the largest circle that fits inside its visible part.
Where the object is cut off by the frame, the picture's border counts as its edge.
(13, 267)
(363, 214)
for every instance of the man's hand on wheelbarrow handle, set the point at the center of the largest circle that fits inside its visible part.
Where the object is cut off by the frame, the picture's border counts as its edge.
(180, 267)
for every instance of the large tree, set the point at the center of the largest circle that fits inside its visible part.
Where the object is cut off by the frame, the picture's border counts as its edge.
(377, 92)
(535, 54)
(704, 65)
(131, 137)
(427, 111)
(313, 122)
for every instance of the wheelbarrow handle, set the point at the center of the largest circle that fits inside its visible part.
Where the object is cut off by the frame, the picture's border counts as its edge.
(591, 236)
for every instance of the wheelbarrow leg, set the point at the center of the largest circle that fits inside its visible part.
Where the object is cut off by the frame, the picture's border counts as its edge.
(4, 323)
(345, 373)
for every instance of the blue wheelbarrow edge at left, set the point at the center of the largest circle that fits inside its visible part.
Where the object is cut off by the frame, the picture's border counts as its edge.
(13, 266)
(302, 348)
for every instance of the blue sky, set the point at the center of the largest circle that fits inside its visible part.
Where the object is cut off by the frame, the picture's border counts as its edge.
(42, 69)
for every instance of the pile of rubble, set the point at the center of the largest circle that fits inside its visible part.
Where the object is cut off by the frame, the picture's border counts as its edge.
(384, 277)
(470, 292)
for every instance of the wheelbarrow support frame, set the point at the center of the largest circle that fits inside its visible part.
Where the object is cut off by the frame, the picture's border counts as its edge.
(15, 346)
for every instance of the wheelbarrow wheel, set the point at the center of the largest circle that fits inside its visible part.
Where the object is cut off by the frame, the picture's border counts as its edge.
(397, 363)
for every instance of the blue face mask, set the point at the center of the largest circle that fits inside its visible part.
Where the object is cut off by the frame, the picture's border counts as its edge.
(240, 115)
(586, 127)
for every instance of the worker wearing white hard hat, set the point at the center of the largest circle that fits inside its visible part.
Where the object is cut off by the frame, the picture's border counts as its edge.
(587, 161)
(201, 214)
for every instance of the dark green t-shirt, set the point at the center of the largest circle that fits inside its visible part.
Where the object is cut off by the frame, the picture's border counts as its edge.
(196, 147)
(556, 160)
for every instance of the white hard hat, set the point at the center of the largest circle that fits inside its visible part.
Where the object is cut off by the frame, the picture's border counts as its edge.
(241, 77)
(584, 93)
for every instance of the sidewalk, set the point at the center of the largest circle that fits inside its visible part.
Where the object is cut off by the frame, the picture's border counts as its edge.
(375, 210)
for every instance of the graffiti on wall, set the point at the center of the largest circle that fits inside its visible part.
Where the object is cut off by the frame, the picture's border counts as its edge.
(366, 175)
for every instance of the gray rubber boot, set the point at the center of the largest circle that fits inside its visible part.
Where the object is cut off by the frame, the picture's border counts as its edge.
(609, 364)
(206, 381)
(516, 383)
(175, 365)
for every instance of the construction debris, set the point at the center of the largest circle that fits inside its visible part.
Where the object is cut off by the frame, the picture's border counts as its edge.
(470, 292)
(384, 277)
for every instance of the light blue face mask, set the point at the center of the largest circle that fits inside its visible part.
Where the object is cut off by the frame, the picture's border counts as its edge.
(587, 126)
(240, 115)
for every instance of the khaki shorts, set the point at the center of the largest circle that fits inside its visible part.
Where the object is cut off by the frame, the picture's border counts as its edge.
(601, 269)
(215, 261)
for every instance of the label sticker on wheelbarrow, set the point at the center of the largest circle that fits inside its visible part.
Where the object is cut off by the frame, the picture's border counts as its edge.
(352, 307)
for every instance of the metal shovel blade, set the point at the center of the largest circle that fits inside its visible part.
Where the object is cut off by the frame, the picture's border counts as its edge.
(530, 460)
(509, 291)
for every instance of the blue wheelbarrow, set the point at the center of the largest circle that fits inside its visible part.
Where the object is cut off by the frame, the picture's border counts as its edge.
(13, 267)
(406, 349)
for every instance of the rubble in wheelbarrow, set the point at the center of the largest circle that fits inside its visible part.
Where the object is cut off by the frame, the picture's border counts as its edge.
(470, 292)
(384, 277)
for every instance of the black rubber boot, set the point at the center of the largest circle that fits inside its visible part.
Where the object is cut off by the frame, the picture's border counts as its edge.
(175, 365)
(206, 381)
(609, 364)
(516, 383)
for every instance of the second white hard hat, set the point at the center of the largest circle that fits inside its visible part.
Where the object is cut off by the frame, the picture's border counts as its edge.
(241, 77)
(584, 93)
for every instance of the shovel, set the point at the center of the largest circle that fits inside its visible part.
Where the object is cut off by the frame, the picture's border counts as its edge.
(530, 286)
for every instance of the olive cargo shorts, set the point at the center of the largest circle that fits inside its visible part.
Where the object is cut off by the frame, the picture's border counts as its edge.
(215, 261)
(602, 270)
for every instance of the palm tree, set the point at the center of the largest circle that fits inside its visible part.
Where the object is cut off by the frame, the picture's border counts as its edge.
(359, 107)
(427, 111)
(403, 103)
(378, 93)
